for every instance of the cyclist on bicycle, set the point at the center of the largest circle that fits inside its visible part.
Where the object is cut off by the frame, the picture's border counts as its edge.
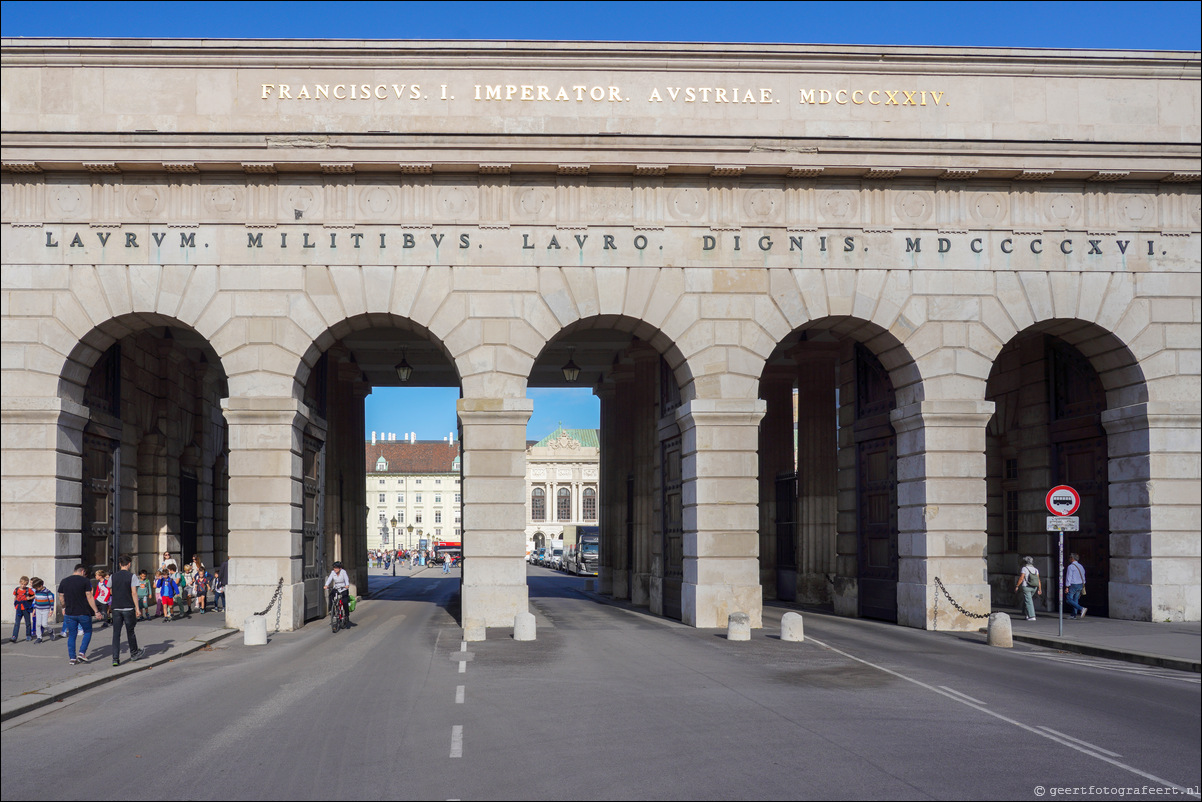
(339, 583)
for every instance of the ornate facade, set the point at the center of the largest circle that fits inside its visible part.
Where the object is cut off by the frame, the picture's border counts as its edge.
(979, 270)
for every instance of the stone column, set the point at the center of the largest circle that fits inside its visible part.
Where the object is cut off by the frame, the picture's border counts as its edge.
(817, 470)
(1155, 571)
(494, 510)
(941, 495)
(265, 513)
(610, 509)
(776, 457)
(42, 443)
(645, 445)
(720, 439)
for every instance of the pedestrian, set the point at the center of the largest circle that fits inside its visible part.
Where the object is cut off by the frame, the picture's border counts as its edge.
(200, 587)
(75, 595)
(218, 590)
(104, 594)
(1074, 580)
(1030, 585)
(167, 560)
(145, 594)
(43, 609)
(125, 609)
(166, 587)
(446, 563)
(181, 590)
(23, 603)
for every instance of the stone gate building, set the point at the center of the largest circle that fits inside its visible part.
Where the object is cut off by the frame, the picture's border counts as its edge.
(976, 271)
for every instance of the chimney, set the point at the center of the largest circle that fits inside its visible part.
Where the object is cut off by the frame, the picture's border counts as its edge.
(412, 437)
(373, 438)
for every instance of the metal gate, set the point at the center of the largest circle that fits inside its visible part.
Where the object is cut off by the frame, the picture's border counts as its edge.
(314, 535)
(876, 489)
(673, 519)
(101, 501)
(786, 536)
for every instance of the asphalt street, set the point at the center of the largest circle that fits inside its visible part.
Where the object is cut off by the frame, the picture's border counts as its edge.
(610, 703)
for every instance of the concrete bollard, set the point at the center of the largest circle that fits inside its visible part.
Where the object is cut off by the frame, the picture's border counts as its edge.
(791, 628)
(254, 631)
(523, 626)
(474, 632)
(999, 631)
(738, 627)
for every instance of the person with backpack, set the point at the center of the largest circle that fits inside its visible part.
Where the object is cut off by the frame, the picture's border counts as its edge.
(1030, 585)
(167, 589)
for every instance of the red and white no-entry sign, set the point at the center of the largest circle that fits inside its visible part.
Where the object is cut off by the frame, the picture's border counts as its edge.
(1062, 500)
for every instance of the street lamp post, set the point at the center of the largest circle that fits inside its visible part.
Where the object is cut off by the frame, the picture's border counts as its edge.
(394, 556)
(409, 545)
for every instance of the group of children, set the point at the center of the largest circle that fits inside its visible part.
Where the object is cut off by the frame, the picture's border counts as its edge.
(170, 591)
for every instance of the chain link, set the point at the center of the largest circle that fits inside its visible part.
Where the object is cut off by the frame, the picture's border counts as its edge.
(279, 592)
(939, 585)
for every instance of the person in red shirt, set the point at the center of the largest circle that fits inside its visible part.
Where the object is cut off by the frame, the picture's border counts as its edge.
(23, 602)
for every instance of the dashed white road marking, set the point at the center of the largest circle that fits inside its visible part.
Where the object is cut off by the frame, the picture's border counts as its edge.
(457, 740)
(1086, 744)
(459, 695)
(462, 666)
(962, 695)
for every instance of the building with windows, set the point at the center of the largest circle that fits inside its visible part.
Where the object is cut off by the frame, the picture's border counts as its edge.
(414, 492)
(562, 483)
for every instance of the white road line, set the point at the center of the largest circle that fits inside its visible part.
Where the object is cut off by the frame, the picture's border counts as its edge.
(462, 666)
(457, 741)
(962, 695)
(1086, 744)
(1127, 668)
(1016, 723)
(459, 695)
(463, 646)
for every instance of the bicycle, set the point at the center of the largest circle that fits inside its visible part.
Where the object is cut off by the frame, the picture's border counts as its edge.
(337, 611)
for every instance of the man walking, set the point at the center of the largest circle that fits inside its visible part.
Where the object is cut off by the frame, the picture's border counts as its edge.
(75, 595)
(1074, 580)
(125, 609)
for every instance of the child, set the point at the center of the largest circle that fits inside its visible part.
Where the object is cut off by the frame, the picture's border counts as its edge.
(23, 602)
(200, 587)
(43, 609)
(104, 594)
(181, 585)
(218, 592)
(167, 588)
(145, 592)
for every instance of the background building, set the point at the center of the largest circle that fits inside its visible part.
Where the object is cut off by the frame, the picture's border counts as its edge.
(562, 476)
(414, 492)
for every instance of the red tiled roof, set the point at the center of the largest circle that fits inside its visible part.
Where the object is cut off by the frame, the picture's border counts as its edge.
(430, 456)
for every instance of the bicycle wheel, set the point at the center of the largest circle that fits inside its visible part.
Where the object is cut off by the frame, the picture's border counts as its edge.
(336, 616)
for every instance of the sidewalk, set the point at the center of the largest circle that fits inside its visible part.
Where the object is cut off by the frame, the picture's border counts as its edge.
(37, 674)
(1175, 645)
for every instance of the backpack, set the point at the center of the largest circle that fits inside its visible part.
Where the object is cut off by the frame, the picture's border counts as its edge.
(1032, 578)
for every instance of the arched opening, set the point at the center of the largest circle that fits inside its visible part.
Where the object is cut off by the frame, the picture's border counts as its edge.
(1048, 429)
(375, 486)
(154, 446)
(828, 467)
(622, 480)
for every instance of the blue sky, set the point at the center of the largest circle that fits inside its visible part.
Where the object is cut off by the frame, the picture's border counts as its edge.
(431, 412)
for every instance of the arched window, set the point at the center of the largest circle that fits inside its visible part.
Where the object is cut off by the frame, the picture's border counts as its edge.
(563, 505)
(590, 504)
(538, 504)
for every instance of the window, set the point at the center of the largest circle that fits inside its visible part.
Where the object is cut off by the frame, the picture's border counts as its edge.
(417, 481)
(437, 481)
(590, 504)
(400, 498)
(563, 504)
(438, 534)
(417, 499)
(538, 504)
(458, 498)
(381, 481)
(438, 516)
(400, 516)
(383, 516)
(438, 498)
(381, 498)
(417, 517)
(381, 464)
(458, 532)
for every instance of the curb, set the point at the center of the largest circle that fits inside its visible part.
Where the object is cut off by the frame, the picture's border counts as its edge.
(32, 700)
(1143, 658)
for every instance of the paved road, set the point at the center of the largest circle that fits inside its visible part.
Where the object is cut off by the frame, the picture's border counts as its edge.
(609, 703)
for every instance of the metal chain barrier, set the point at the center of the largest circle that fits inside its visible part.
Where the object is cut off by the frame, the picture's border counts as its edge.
(279, 592)
(939, 585)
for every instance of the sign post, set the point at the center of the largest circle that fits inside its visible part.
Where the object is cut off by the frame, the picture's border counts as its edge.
(1062, 501)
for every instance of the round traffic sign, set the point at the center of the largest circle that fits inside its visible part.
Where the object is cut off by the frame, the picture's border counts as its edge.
(1062, 500)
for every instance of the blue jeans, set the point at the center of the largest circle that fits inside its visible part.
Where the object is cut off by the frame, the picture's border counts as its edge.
(23, 615)
(1072, 599)
(71, 625)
